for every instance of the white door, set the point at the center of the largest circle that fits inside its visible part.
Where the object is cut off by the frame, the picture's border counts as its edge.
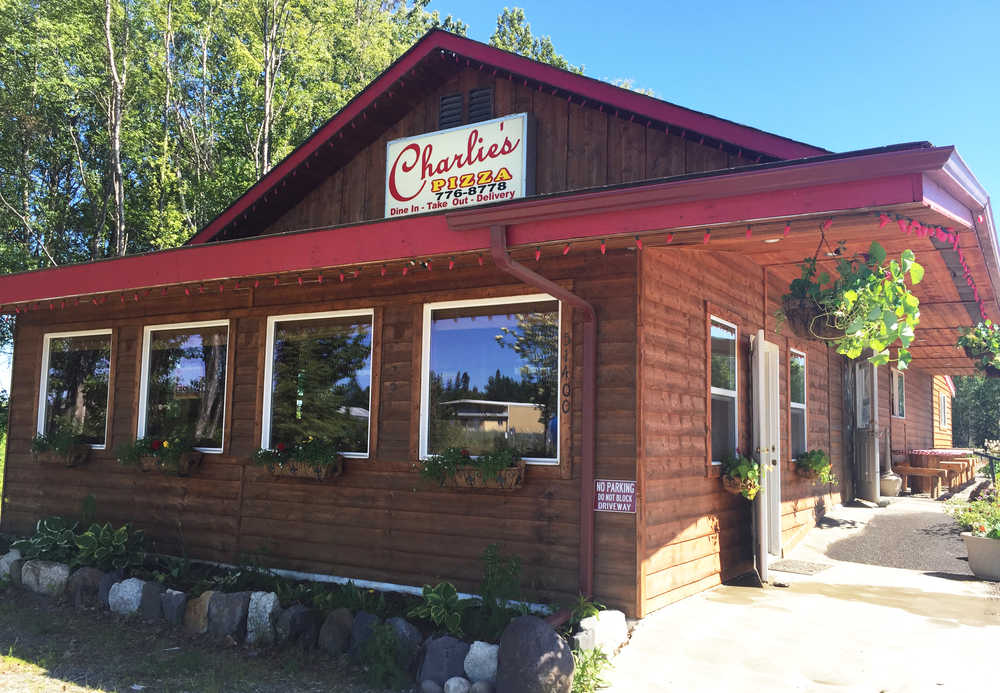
(767, 446)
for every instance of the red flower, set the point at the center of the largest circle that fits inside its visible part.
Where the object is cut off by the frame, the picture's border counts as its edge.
(157, 444)
(280, 447)
(463, 452)
(982, 528)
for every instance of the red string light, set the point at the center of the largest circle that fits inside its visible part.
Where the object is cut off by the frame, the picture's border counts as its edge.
(319, 278)
(451, 263)
(300, 280)
(566, 249)
(187, 292)
(341, 277)
(883, 219)
(480, 259)
(707, 237)
(788, 227)
(275, 281)
(827, 224)
(538, 253)
(638, 242)
(382, 271)
(604, 247)
(406, 268)
(749, 231)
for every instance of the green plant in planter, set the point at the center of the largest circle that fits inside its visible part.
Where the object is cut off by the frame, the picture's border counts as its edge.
(170, 454)
(442, 467)
(817, 463)
(54, 540)
(980, 518)
(869, 306)
(63, 442)
(443, 607)
(982, 343)
(741, 475)
(316, 454)
(107, 548)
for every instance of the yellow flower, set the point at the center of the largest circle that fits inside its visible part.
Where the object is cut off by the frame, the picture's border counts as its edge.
(166, 443)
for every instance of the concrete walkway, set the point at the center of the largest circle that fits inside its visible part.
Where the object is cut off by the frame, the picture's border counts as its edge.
(897, 610)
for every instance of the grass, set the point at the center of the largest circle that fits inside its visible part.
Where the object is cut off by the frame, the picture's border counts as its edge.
(48, 647)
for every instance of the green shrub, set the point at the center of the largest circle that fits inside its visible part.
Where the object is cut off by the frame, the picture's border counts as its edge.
(60, 441)
(588, 670)
(379, 659)
(108, 549)
(54, 540)
(443, 607)
(583, 608)
(500, 586)
(442, 467)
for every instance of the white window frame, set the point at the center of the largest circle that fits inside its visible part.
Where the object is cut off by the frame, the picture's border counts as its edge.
(43, 383)
(942, 410)
(894, 380)
(272, 321)
(144, 375)
(860, 378)
(734, 394)
(803, 406)
(425, 362)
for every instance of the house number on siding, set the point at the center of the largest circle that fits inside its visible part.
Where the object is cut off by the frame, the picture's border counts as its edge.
(566, 389)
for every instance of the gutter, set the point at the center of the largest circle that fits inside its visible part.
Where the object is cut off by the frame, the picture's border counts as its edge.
(503, 261)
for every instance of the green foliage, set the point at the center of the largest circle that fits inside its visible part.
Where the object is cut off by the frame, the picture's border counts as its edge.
(588, 670)
(870, 302)
(513, 33)
(54, 540)
(744, 470)
(60, 441)
(583, 608)
(501, 585)
(819, 462)
(442, 606)
(166, 452)
(981, 517)
(982, 343)
(441, 467)
(313, 453)
(107, 548)
(975, 410)
(380, 661)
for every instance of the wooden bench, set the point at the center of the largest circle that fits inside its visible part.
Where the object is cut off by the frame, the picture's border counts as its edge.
(935, 474)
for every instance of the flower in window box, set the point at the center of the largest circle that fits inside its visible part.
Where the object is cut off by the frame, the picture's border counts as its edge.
(61, 446)
(502, 468)
(316, 458)
(174, 455)
(816, 465)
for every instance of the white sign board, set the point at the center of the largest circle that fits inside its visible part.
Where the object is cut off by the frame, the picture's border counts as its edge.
(473, 164)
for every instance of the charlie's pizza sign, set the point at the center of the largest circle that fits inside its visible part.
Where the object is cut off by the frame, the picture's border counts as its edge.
(469, 165)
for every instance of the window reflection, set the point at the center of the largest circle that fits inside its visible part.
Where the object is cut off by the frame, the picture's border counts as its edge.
(76, 386)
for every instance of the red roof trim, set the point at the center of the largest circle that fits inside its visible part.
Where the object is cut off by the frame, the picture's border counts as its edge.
(586, 87)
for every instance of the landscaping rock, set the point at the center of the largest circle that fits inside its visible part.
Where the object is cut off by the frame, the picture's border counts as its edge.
(135, 597)
(481, 662)
(456, 684)
(196, 613)
(7, 560)
(262, 615)
(482, 687)
(84, 587)
(431, 687)
(408, 641)
(335, 635)
(227, 614)
(45, 577)
(298, 624)
(104, 589)
(607, 631)
(533, 659)
(361, 631)
(173, 604)
(444, 658)
(15, 572)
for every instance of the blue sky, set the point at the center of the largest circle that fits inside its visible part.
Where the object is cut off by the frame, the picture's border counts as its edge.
(842, 75)
(470, 345)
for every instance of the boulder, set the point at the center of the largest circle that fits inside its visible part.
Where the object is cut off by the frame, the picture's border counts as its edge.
(227, 614)
(300, 625)
(7, 560)
(173, 604)
(481, 662)
(45, 577)
(408, 640)
(196, 613)
(15, 572)
(444, 658)
(607, 631)
(431, 687)
(456, 684)
(104, 589)
(482, 687)
(361, 631)
(533, 659)
(335, 635)
(262, 614)
(84, 588)
(135, 597)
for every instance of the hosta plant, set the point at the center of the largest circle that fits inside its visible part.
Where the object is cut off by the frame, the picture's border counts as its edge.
(54, 540)
(107, 548)
(817, 465)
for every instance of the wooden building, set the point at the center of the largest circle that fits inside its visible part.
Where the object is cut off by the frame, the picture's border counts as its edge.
(652, 242)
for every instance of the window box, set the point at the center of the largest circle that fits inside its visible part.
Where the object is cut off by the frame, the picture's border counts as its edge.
(508, 479)
(301, 470)
(76, 456)
(186, 464)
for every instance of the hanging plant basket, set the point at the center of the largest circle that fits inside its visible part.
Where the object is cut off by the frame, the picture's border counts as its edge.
(471, 477)
(747, 488)
(807, 320)
(186, 464)
(76, 456)
(991, 371)
(972, 354)
(807, 473)
(300, 470)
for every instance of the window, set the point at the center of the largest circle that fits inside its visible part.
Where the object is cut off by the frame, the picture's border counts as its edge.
(898, 393)
(182, 391)
(318, 377)
(724, 389)
(943, 410)
(866, 382)
(75, 384)
(797, 402)
(490, 376)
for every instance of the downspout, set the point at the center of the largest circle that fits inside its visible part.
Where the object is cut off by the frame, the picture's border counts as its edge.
(503, 261)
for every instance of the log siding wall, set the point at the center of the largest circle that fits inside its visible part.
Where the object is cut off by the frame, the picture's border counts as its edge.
(379, 521)
(942, 434)
(915, 429)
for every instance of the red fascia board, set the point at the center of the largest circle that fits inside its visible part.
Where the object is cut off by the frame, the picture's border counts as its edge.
(431, 235)
(586, 87)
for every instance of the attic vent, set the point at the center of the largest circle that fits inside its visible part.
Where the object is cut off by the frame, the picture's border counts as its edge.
(480, 105)
(450, 114)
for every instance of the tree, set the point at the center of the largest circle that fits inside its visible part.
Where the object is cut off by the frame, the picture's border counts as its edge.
(513, 33)
(975, 410)
(536, 341)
